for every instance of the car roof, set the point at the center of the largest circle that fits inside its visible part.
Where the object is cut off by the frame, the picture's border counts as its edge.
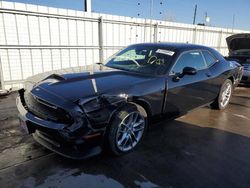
(175, 46)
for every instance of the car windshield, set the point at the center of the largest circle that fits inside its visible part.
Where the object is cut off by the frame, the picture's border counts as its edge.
(143, 59)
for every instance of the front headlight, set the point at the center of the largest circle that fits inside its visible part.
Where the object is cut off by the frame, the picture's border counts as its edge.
(91, 104)
(116, 99)
(99, 102)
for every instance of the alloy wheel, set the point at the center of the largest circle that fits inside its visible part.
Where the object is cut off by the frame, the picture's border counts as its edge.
(130, 131)
(226, 93)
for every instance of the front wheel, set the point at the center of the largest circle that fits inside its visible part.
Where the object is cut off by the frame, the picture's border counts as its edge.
(224, 96)
(127, 129)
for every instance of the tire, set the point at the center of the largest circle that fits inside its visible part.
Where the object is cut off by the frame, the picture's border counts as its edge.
(122, 129)
(221, 102)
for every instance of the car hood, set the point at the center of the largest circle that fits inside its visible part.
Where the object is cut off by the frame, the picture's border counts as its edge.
(74, 86)
(238, 42)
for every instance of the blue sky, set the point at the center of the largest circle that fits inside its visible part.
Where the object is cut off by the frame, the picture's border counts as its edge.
(220, 11)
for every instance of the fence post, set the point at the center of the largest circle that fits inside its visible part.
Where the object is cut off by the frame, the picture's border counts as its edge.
(219, 41)
(145, 30)
(1, 76)
(155, 32)
(194, 35)
(100, 32)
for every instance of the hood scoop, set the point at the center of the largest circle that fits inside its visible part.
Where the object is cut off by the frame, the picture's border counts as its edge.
(52, 79)
(56, 77)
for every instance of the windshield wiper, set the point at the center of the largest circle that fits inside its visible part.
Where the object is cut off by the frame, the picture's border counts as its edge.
(124, 69)
(117, 67)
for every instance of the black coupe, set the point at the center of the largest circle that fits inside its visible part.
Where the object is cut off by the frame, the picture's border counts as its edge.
(79, 114)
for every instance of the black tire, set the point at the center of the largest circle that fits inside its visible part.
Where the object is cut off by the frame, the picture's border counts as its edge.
(217, 104)
(116, 122)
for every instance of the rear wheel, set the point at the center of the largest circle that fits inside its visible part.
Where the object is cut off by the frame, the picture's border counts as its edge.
(224, 96)
(127, 129)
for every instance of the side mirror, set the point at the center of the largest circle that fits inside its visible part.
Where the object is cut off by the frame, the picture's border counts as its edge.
(189, 71)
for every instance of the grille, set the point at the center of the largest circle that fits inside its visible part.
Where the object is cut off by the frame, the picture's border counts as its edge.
(246, 67)
(45, 110)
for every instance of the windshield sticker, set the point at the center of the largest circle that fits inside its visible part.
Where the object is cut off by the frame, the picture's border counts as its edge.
(195, 53)
(166, 52)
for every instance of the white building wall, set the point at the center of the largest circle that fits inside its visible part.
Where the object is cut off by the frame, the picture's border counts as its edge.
(36, 39)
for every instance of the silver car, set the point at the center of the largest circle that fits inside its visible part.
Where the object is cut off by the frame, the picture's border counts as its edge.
(239, 50)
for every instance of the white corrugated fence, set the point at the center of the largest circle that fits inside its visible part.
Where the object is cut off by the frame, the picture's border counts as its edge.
(36, 39)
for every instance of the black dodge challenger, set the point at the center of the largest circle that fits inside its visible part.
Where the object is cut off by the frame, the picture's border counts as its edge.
(79, 114)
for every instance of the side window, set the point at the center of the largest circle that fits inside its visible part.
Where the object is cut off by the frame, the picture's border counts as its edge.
(189, 59)
(208, 58)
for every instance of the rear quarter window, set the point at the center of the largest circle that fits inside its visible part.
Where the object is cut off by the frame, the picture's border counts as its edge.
(209, 58)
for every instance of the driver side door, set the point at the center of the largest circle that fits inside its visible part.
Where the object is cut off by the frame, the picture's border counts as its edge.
(186, 92)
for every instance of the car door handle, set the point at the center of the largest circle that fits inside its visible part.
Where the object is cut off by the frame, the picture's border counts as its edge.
(208, 75)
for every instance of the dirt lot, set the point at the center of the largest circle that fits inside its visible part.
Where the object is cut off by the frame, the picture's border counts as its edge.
(206, 148)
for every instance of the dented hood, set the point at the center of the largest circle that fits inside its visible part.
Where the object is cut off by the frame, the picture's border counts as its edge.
(74, 86)
(238, 42)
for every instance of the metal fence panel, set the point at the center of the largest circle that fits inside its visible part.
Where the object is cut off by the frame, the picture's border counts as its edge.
(36, 39)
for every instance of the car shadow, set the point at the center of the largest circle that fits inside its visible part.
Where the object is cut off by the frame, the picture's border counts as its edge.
(173, 154)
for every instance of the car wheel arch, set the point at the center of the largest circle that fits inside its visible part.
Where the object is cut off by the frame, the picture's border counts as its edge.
(139, 103)
(144, 105)
(232, 79)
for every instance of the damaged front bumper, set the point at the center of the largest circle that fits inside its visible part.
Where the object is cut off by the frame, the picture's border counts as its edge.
(77, 144)
(69, 150)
